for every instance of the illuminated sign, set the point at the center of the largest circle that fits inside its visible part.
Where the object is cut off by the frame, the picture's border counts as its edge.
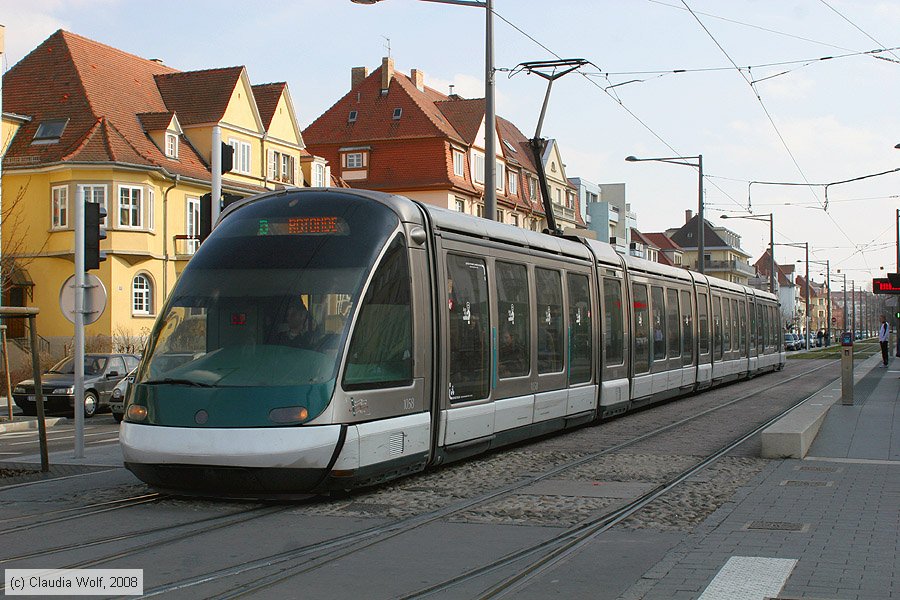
(312, 225)
(326, 225)
(884, 286)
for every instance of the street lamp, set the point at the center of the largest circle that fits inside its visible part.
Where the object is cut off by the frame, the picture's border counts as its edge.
(770, 218)
(490, 116)
(681, 160)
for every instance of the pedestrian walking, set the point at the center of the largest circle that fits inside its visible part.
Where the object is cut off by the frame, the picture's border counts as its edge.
(883, 339)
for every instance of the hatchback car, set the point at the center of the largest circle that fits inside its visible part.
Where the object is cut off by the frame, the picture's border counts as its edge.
(119, 393)
(101, 374)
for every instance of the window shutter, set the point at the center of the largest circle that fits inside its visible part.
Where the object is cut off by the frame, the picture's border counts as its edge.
(273, 168)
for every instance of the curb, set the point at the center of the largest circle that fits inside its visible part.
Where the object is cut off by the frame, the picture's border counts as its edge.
(31, 424)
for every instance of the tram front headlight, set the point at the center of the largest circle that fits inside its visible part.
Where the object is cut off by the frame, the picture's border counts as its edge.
(136, 413)
(288, 414)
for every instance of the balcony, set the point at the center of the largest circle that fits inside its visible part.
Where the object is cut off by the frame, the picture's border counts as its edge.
(185, 246)
(730, 266)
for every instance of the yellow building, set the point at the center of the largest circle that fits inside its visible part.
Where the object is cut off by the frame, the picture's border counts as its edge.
(92, 123)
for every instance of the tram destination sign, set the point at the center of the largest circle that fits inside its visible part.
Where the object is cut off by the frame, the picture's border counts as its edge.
(881, 285)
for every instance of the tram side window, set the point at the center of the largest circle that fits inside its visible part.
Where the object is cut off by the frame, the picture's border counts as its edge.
(641, 328)
(469, 328)
(767, 335)
(580, 328)
(550, 334)
(774, 326)
(717, 328)
(760, 329)
(703, 321)
(742, 323)
(380, 353)
(514, 315)
(614, 331)
(726, 325)
(687, 328)
(673, 331)
(752, 325)
(659, 330)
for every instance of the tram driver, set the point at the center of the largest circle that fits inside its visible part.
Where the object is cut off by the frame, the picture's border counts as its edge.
(299, 331)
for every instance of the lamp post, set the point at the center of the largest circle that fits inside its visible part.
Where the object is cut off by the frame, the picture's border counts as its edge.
(770, 218)
(682, 160)
(490, 115)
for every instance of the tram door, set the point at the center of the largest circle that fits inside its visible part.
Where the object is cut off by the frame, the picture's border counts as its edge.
(466, 346)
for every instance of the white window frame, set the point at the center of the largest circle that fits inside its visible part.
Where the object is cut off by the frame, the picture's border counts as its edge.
(478, 167)
(354, 160)
(171, 145)
(150, 207)
(459, 163)
(92, 192)
(192, 223)
(460, 205)
(133, 207)
(500, 177)
(318, 175)
(142, 295)
(513, 179)
(59, 207)
(242, 157)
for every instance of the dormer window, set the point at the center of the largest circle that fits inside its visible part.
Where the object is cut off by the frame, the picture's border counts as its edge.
(49, 132)
(352, 117)
(171, 145)
(398, 112)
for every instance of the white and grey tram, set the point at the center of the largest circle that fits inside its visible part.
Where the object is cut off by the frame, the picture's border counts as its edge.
(325, 339)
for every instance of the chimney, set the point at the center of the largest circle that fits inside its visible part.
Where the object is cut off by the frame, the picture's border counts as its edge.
(357, 74)
(418, 78)
(387, 73)
(688, 214)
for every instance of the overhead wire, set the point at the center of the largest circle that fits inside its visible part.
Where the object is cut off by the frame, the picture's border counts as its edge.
(752, 26)
(612, 96)
(855, 26)
(768, 115)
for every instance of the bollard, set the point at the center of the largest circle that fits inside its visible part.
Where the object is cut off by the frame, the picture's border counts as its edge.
(847, 368)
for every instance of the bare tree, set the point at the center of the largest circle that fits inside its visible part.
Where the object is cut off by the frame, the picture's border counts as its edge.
(13, 253)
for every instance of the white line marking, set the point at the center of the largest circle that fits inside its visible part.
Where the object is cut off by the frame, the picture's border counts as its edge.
(749, 578)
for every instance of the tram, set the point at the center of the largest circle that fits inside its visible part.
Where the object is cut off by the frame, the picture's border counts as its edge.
(326, 339)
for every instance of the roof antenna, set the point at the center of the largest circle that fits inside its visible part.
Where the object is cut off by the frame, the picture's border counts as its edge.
(387, 45)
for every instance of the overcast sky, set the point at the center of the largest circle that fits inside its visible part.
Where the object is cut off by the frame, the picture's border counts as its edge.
(804, 120)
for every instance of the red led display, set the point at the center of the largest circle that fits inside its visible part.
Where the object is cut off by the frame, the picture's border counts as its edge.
(238, 318)
(312, 225)
(884, 286)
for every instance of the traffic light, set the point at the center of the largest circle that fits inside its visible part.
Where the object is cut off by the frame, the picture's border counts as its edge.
(205, 225)
(897, 314)
(227, 157)
(94, 231)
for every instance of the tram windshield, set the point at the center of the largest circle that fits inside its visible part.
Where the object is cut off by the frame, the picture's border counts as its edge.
(268, 298)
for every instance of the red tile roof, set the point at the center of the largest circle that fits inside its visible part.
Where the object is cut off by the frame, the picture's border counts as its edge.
(155, 121)
(662, 241)
(198, 96)
(111, 99)
(267, 96)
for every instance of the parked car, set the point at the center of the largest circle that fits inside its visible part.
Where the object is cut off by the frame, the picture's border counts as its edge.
(119, 395)
(791, 342)
(101, 374)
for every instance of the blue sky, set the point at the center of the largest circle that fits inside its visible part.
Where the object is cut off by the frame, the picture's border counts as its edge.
(814, 120)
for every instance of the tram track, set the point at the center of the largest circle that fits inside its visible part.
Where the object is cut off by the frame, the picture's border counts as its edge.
(317, 555)
(100, 508)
